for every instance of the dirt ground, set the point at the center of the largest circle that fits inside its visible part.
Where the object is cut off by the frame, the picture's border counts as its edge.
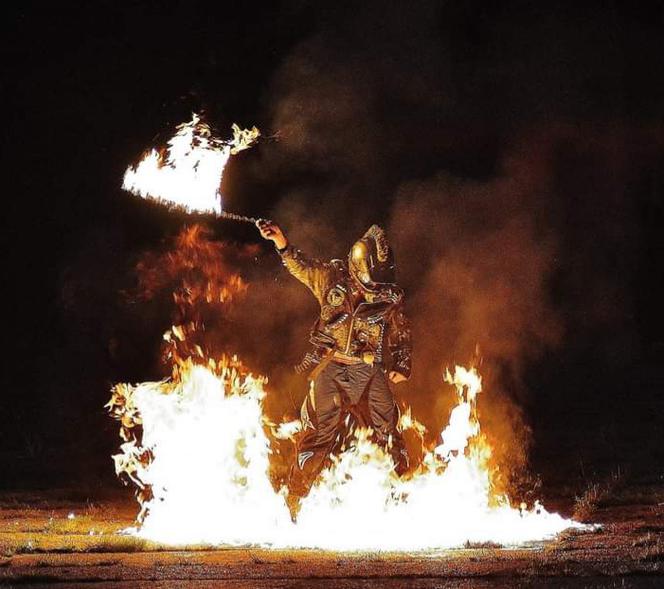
(61, 539)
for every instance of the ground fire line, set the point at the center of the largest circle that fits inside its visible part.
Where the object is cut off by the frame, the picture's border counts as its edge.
(197, 450)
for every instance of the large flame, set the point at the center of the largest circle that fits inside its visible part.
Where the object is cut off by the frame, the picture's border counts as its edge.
(198, 446)
(197, 449)
(208, 456)
(187, 174)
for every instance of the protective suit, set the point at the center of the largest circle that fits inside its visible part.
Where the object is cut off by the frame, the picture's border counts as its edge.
(361, 335)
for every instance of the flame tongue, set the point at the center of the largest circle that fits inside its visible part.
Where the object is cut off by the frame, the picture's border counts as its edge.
(206, 470)
(188, 173)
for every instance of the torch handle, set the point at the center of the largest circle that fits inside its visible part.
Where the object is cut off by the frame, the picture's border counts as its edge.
(235, 217)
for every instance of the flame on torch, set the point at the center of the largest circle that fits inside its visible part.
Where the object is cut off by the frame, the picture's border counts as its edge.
(187, 173)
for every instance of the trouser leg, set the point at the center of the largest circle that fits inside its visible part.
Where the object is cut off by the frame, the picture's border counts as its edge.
(384, 417)
(321, 417)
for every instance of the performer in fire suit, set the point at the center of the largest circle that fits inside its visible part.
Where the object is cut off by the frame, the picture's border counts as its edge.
(361, 342)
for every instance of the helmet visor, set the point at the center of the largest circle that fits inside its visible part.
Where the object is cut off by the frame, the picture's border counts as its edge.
(365, 266)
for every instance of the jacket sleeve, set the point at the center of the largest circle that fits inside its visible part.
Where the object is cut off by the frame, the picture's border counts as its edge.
(310, 271)
(399, 341)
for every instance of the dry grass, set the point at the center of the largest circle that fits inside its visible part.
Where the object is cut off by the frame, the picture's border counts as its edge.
(595, 495)
(35, 524)
(51, 542)
(649, 545)
(483, 545)
(89, 528)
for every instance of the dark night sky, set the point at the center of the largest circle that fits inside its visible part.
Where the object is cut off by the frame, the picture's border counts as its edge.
(451, 87)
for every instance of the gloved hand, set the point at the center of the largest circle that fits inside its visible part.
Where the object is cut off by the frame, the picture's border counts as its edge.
(396, 377)
(272, 232)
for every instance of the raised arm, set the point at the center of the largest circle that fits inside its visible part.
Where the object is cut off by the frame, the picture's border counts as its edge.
(310, 271)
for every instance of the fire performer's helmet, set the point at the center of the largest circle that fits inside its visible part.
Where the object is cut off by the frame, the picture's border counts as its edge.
(371, 261)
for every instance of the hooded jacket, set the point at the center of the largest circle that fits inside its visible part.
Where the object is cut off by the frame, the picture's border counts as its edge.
(370, 326)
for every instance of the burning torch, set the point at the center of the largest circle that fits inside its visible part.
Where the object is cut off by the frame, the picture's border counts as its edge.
(187, 173)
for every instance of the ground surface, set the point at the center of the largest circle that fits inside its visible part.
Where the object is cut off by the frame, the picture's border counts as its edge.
(61, 539)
